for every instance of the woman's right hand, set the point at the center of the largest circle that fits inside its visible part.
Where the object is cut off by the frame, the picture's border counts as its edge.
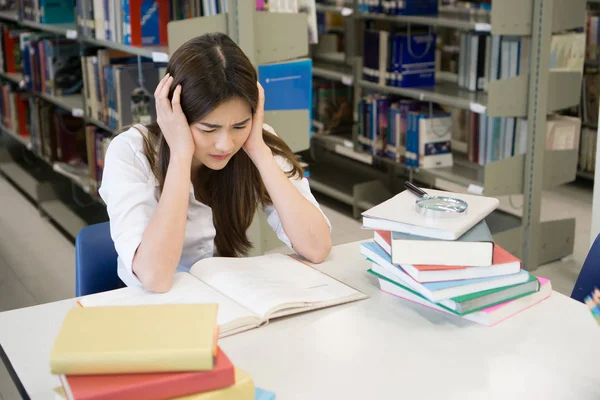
(172, 120)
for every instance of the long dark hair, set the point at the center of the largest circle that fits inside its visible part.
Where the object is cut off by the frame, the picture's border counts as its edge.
(212, 69)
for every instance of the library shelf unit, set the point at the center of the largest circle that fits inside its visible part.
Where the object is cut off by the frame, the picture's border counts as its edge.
(68, 199)
(530, 96)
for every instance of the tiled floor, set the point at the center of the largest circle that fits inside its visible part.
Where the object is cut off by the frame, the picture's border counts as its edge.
(37, 262)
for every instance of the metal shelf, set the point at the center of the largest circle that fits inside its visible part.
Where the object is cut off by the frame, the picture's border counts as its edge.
(13, 77)
(585, 174)
(507, 17)
(326, 73)
(83, 181)
(9, 15)
(505, 97)
(70, 102)
(342, 10)
(156, 53)
(444, 93)
(59, 29)
(503, 177)
(25, 141)
(333, 58)
(99, 124)
(20, 178)
(454, 22)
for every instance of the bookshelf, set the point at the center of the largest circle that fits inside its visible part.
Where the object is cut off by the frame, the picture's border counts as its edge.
(62, 194)
(531, 96)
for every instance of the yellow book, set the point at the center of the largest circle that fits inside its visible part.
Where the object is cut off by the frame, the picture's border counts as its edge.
(136, 339)
(242, 390)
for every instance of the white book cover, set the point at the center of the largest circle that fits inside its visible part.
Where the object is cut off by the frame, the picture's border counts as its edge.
(435, 138)
(399, 214)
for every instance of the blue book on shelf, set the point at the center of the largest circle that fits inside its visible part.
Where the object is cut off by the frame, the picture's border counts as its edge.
(57, 11)
(287, 85)
(417, 55)
(262, 394)
(150, 23)
(417, 7)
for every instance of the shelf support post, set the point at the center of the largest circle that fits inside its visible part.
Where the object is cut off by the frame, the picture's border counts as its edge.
(541, 38)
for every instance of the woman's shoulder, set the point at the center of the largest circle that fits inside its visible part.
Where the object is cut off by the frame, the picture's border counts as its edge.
(126, 153)
(131, 138)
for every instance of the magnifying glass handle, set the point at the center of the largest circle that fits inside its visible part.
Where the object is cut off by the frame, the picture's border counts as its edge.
(416, 190)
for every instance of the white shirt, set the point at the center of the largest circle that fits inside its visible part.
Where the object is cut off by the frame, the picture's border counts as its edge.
(131, 193)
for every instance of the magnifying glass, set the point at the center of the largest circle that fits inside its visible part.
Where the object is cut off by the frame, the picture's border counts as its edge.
(437, 206)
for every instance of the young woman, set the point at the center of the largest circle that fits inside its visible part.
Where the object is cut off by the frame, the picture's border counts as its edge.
(187, 186)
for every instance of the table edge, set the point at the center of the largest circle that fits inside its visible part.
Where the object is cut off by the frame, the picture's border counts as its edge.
(13, 374)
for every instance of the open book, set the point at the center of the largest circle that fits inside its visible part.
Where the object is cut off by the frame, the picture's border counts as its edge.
(249, 291)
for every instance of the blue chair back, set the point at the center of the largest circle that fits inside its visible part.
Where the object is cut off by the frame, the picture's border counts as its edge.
(589, 277)
(95, 261)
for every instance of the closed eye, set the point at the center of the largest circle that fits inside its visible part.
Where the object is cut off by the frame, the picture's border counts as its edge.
(239, 127)
(208, 131)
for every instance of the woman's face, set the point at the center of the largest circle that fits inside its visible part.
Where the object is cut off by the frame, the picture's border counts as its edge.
(221, 133)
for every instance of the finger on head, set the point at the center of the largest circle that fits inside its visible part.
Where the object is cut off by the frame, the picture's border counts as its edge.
(167, 86)
(177, 96)
(161, 84)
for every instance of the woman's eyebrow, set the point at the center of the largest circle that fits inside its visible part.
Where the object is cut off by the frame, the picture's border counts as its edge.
(243, 122)
(209, 125)
(215, 126)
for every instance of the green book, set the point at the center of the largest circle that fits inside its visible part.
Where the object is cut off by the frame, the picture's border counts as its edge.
(469, 303)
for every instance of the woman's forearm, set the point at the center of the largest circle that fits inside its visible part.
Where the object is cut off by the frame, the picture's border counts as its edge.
(302, 222)
(159, 252)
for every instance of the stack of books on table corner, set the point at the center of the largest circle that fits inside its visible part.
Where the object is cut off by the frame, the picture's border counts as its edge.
(149, 352)
(449, 264)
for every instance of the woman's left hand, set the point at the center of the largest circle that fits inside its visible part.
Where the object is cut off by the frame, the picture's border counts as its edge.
(255, 145)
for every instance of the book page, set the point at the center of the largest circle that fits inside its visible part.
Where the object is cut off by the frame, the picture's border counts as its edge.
(269, 283)
(185, 289)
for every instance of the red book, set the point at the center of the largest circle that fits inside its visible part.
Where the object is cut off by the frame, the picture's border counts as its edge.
(135, 12)
(150, 386)
(22, 107)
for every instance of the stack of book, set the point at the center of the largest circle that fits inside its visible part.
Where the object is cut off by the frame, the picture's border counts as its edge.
(449, 263)
(161, 351)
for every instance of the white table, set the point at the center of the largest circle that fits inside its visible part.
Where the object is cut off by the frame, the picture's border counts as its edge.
(379, 348)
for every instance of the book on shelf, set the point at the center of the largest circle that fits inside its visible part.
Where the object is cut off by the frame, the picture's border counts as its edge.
(287, 85)
(331, 106)
(112, 90)
(405, 7)
(385, 216)
(429, 140)
(399, 59)
(587, 150)
(250, 291)
(136, 339)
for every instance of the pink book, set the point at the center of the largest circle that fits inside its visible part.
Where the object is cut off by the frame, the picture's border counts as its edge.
(487, 317)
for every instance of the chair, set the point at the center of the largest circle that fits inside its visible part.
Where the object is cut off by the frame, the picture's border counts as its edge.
(589, 277)
(95, 261)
